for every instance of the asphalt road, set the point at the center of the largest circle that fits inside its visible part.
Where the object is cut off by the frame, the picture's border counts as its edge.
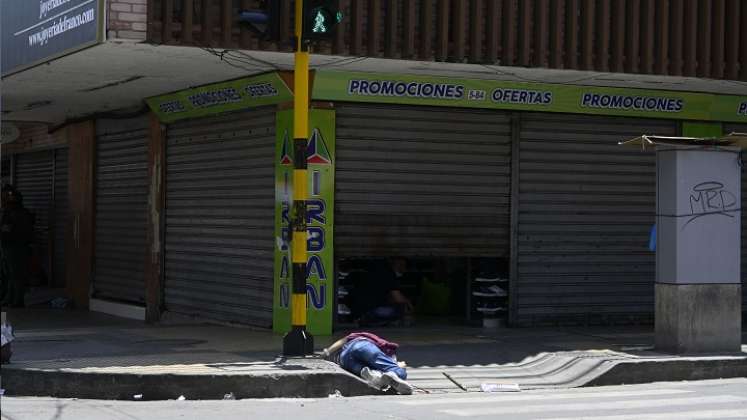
(717, 399)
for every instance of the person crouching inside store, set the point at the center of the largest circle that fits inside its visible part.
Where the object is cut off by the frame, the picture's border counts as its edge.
(16, 236)
(372, 358)
(378, 296)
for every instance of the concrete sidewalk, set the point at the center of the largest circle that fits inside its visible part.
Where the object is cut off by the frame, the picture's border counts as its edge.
(88, 355)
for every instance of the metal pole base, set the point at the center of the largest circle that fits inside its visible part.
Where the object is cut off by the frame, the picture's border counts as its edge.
(298, 342)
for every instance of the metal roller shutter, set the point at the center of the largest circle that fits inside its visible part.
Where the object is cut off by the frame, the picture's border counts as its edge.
(742, 128)
(61, 206)
(220, 217)
(6, 170)
(121, 205)
(586, 207)
(34, 178)
(418, 181)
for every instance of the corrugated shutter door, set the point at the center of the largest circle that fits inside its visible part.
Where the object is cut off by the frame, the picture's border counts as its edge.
(61, 206)
(34, 181)
(6, 170)
(220, 217)
(418, 181)
(742, 128)
(121, 205)
(586, 207)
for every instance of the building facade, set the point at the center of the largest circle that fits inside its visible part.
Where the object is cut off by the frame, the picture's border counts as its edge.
(473, 138)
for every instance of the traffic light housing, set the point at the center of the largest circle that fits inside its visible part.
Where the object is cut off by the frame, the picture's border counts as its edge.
(320, 19)
(265, 22)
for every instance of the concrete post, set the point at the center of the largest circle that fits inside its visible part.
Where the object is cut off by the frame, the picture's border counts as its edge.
(698, 283)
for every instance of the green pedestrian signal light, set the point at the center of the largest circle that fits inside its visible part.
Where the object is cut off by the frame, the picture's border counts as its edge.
(321, 22)
(320, 19)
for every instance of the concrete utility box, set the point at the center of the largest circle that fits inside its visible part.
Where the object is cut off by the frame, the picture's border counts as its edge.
(698, 217)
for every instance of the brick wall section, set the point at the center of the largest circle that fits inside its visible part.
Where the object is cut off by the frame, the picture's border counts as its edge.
(127, 19)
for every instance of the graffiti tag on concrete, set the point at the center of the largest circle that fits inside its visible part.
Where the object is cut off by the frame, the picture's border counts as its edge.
(711, 199)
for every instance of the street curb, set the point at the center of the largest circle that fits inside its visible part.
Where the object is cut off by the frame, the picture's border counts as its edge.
(123, 386)
(20, 381)
(668, 370)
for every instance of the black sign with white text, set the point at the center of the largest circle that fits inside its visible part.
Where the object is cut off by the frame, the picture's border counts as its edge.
(34, 31)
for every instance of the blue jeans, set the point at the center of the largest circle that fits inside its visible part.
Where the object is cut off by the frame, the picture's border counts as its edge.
(361, 353)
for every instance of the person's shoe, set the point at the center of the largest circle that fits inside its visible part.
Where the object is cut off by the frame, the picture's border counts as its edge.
(374, 378)
(399, 385)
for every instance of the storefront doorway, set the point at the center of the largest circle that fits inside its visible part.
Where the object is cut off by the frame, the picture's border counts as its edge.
(422, 200)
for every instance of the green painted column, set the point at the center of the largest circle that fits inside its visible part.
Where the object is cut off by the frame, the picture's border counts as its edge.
(320, 160)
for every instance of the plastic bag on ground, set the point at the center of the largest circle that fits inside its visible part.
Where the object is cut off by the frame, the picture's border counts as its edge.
(500, 388)
(6, 337)
(6, 334)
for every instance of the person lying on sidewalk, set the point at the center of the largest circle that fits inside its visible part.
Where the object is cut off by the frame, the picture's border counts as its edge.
(372, 358)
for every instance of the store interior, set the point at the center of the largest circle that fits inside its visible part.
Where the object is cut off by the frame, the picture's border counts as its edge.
(422, 291)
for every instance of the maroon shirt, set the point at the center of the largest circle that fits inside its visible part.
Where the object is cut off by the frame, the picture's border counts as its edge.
(387, 347)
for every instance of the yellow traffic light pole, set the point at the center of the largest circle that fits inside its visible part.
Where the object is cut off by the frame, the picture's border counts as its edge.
(298, 342)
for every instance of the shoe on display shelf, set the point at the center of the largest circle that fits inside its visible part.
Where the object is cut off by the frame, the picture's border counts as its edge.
(492, 279)
(497, 290)
(491, 308)
(342, 309)
(489, 292)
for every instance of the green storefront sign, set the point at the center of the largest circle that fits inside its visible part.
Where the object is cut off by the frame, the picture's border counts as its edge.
(730, 109)
(320, 221)
(269, 88)
(218, 98)
(491, 94)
